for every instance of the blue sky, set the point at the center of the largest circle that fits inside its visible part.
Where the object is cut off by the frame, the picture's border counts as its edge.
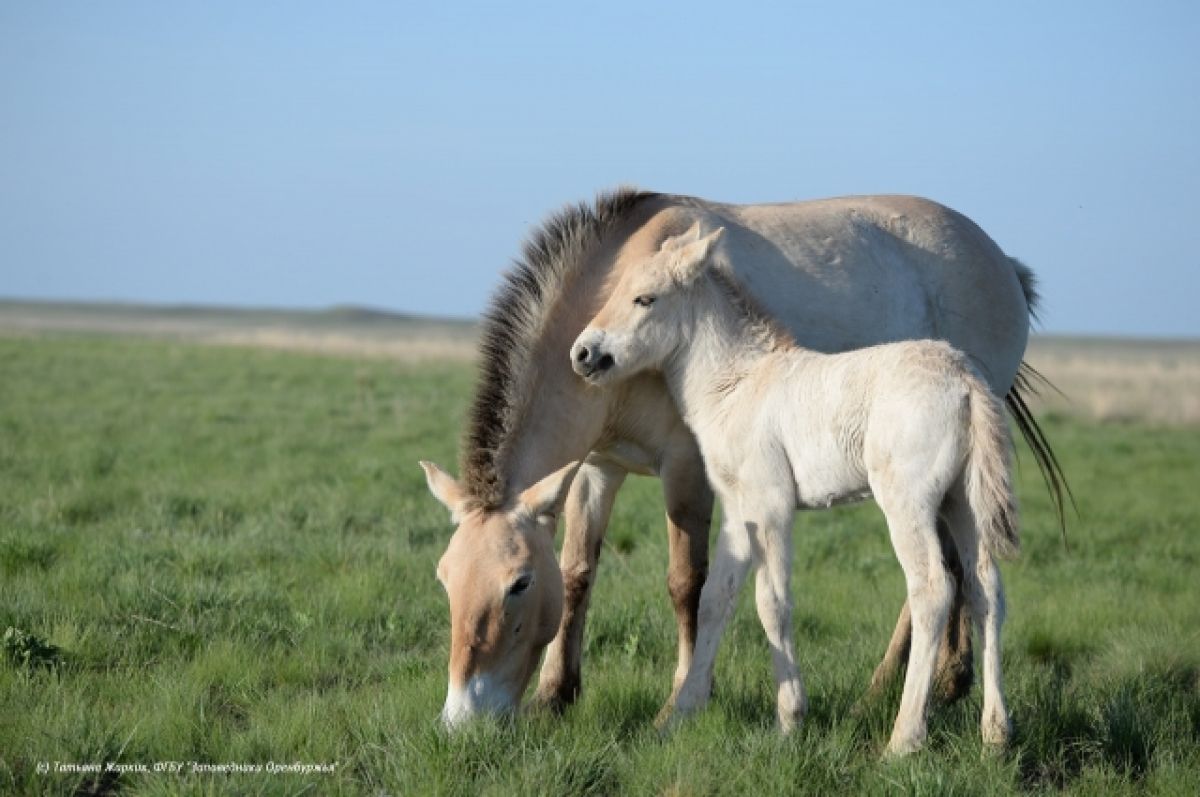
(395, 154)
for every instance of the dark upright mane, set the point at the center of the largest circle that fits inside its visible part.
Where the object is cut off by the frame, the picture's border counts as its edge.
(552, 253)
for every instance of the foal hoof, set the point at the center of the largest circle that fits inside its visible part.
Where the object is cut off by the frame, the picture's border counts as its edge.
(996, 733)
(903, 746)
(790, 712)
(789, 725)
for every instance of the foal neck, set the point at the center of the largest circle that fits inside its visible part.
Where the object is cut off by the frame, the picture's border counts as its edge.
(729, 338)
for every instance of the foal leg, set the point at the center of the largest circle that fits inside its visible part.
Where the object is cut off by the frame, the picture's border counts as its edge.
(588, 507)
(689, 502)
(773, 596)
(725, 577)
(955, 668)
(985, 595)
(930, 593)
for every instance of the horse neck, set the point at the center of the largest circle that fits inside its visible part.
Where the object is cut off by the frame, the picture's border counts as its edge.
(561, 422)
(562, 417)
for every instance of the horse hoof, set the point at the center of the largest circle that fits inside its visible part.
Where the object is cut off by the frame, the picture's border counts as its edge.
(953, 683)
(551, 701)
(669, 718)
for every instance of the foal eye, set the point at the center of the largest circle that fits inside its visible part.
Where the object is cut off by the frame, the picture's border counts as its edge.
(520, 585)
(644, 301)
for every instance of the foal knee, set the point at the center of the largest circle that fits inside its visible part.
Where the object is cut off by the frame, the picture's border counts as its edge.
(986, 593)
(935, 595)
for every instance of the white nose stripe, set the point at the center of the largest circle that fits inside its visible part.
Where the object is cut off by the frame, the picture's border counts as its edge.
(481, 693)
(458, 706)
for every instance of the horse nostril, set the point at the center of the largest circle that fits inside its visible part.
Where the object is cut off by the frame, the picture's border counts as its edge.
(605, 363)
(582, 354)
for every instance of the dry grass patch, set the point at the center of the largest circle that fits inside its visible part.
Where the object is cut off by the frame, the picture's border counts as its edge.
(343, 332)
(1120, 379)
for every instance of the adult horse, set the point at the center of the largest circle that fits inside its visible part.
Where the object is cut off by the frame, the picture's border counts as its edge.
(839, 274)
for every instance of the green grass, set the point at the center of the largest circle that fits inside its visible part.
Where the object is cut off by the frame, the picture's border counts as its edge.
(221, 555)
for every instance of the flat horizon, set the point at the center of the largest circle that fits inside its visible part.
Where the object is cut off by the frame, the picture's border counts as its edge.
(401, 314)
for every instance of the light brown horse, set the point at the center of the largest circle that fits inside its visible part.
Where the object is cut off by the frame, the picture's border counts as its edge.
(838, 274)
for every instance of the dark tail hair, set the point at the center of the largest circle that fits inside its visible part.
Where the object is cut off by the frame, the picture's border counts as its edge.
(1030, 382)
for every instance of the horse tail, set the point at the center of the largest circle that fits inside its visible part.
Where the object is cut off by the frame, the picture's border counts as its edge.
(988, 473)
(1029, 286)
(1030, 383)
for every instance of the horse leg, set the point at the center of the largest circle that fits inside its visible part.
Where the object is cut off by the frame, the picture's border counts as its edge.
(985, 596)
(689, 502)
(930, 594)
(725, 577)
(896, 655)
(587, 510)
(955, 669)
(955, 665)
(773, 598)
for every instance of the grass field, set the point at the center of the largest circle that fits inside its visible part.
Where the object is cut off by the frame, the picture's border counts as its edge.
(225, 555)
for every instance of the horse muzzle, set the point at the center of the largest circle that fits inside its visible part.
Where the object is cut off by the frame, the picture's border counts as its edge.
(480, 695)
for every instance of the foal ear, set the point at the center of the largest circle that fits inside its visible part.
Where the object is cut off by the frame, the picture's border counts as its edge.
(678, 241)
(689, 260)
(445, 488)
(546, 498)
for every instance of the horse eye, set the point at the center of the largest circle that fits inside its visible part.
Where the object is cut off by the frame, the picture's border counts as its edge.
(644, 301)
(520, 585)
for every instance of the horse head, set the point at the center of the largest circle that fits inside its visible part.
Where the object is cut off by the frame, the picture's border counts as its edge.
(505, 591)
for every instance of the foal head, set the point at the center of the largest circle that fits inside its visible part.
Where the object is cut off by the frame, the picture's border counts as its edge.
(505, 591)
(645, 318)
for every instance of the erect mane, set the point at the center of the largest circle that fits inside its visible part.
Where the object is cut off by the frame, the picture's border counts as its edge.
(512, 325)
(763, 328)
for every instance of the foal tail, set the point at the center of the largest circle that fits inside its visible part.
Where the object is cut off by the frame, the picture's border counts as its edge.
(988, 473)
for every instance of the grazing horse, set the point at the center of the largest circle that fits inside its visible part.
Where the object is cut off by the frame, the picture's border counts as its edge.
(838, 274)
(782, 428)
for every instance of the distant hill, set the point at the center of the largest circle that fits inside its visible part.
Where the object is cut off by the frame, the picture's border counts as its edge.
(335, 316)
(342, 329)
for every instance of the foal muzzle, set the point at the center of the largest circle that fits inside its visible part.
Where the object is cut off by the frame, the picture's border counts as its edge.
(588, 358)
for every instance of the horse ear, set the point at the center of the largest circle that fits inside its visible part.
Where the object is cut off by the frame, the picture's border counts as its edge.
(689, 260)
(546, 498)
(445, 488)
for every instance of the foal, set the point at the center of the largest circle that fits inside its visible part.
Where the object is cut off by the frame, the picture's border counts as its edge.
(781, 428)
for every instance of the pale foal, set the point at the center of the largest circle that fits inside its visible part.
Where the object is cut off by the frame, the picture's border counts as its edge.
(781, 427)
